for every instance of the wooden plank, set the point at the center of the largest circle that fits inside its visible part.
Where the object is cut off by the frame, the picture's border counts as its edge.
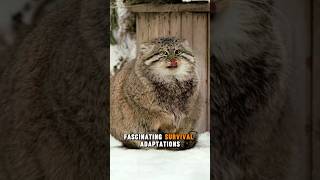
(175, 24)
(148, 27)
(187, 27)
(190, 7)
(200, 47)
(153, 26)
(142, 28)
(316, 92)
(164, 24)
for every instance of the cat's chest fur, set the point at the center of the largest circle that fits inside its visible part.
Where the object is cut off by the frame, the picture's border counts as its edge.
(175, 97)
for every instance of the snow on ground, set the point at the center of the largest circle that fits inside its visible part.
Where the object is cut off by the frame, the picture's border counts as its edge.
(153, 164)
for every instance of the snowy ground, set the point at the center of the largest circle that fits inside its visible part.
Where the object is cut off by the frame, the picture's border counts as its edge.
(132, 164)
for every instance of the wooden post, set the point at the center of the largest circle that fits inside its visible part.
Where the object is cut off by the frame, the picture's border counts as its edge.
(188, 21)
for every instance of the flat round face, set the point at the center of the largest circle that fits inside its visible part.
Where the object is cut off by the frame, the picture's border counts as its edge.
(167, 59)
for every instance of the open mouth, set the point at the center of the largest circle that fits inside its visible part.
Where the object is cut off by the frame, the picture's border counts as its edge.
(173, 64)
(172, 67)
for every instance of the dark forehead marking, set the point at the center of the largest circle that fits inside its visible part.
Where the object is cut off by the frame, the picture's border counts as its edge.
(166, 40)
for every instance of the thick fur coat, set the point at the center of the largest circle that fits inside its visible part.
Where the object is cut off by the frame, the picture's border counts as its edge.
(148, 97)
(54, 98)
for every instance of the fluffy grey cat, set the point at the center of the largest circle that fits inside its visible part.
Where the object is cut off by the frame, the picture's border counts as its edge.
(248, 98)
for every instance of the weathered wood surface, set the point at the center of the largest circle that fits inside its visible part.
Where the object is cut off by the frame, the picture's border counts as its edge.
(190, 26)
(190, 7)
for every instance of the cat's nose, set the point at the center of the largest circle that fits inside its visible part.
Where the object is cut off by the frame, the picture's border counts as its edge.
(173, 63)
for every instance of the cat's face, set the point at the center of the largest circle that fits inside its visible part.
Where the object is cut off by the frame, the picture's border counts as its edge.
(167, 59)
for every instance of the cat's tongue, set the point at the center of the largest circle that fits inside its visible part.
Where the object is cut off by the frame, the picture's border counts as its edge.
(173, 63)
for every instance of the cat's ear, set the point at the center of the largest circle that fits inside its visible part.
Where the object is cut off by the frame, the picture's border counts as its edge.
(185, 43)
(145, 48)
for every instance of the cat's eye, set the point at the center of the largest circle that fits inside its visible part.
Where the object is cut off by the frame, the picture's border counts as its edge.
(177, 52)
(164, 53)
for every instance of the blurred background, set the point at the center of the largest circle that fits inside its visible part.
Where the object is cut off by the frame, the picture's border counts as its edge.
(20, 15)
(8, 9)
(299, 22)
